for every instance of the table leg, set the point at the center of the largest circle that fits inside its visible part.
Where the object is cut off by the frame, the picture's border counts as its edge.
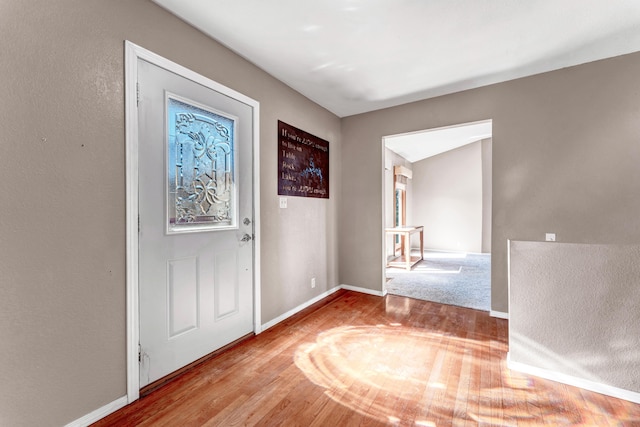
(407, 247)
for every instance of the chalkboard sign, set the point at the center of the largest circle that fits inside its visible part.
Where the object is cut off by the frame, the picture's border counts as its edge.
(303, 163)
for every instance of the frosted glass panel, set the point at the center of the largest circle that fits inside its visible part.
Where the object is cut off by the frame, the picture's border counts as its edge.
(201, 190)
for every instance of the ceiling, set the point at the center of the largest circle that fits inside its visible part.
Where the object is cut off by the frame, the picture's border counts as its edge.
(354, 56)
(416, 146)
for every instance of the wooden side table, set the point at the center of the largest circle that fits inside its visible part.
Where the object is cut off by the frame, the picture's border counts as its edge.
(405, 232)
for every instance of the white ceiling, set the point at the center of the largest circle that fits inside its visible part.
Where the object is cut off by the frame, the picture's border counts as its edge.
(417, 146)
(354, 56)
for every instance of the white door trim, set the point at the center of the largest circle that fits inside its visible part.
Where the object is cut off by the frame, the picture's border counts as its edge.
(134, 52)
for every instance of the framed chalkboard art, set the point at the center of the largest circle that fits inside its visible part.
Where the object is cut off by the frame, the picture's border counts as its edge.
(303, 163)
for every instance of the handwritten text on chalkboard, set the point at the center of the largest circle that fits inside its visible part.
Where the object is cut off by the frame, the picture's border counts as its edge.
(303, 163)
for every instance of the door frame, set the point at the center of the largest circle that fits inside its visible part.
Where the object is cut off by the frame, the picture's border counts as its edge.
(398, 241)
(133, 53)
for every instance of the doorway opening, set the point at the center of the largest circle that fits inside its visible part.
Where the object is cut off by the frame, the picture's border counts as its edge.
(445, 191)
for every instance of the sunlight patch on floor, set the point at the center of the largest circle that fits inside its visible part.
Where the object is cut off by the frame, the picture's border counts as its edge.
(444, 255)
(385, 370)
(433, 270)
(374, 370)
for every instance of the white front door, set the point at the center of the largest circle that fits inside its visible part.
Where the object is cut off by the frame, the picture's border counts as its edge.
(196, 221)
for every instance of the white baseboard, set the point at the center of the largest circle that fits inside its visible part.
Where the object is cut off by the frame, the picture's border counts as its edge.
(605, 389)
(99, 413)
(299, 308)
(499, 314)
(122, 402)
(363, 290)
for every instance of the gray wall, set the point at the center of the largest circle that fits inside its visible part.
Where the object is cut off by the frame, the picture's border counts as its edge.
(566, 150)
(487, 197)
(574, 311)
(62, 164)
(447, 199)
(565, 159)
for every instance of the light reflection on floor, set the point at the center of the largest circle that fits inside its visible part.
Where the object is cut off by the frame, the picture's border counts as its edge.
(432, 254)
(387, 371)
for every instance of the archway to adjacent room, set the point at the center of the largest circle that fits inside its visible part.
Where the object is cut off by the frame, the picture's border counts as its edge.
(438, 181)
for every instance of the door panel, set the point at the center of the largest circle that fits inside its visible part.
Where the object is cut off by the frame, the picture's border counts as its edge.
(195, 188)
(226, 285)
(183, 299)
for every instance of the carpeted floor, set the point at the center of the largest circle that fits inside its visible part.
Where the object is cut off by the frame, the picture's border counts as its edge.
(446, 277)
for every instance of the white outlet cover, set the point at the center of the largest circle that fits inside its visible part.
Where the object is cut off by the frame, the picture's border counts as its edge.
(550, 237)
(283, 202)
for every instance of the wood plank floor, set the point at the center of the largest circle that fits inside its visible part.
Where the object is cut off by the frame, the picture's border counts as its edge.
(362, 360)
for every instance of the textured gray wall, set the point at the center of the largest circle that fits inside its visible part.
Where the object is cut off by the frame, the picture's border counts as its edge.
(62, 164)
(447, 194)
(566, 150)
(487, 198)
(565, 159)
(575, 310)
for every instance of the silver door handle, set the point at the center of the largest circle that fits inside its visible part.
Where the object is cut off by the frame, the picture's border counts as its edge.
(246, 238)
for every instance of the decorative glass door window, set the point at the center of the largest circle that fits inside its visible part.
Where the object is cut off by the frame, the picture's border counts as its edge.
(201, 191)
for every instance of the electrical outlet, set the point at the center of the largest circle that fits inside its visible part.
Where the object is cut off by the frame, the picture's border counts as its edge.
(313, 282)
(550, 237)
(283, 202)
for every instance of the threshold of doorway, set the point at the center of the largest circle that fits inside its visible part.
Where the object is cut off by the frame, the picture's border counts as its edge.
(146, 390)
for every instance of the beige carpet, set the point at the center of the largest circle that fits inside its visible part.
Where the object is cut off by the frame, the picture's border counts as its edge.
(460, 279)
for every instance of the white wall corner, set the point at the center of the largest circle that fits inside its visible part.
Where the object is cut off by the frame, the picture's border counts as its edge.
(499, 314)
(312, 301)
(99, 413)
(297, 309)
(363, 290)
(601, 388)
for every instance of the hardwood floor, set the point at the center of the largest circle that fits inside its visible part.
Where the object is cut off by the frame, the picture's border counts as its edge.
(362, 360)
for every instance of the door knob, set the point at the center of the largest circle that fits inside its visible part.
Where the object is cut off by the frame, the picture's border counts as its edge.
(246, 238)
(246, 221)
